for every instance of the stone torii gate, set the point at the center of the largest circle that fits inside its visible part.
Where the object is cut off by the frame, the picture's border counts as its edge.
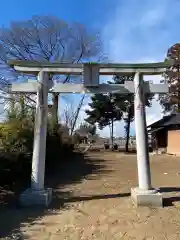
(144, 194)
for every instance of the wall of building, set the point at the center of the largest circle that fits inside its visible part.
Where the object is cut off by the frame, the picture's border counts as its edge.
(161, 137)
(173, 145)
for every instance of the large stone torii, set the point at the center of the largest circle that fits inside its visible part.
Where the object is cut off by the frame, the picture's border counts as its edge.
(144, 194)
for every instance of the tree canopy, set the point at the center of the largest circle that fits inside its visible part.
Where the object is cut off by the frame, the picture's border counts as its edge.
(171, 101)
(108, 108)
(103, 110)
(46, 39)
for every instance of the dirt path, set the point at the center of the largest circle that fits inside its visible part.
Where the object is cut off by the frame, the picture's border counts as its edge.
(99, 207)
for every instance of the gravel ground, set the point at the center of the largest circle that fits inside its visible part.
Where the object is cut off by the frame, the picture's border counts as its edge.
(98, 205)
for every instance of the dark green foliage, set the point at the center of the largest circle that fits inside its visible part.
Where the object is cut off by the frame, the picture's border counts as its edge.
(108, 108)
(104, 110)
(126, 104)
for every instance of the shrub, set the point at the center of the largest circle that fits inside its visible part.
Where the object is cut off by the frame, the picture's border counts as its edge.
(16, 146)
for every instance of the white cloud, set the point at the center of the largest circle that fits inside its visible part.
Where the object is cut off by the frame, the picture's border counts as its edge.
(142, 31)
(155, 15)
(152, 118)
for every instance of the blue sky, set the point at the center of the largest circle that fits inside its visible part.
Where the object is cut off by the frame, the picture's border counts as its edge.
(132, 30)
(89, 12)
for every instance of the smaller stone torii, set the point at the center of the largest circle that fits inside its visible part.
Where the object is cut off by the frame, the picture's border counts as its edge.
(144, 194)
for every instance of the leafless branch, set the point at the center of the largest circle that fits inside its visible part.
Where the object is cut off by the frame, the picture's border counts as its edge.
(46, 39)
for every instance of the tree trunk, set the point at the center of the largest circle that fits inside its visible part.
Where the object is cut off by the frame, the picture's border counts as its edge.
(128, 131)
(112, 133)
(77, 115)
(55, 100)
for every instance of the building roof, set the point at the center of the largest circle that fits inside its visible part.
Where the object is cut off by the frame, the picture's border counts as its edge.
(173, 119)
(82, 133)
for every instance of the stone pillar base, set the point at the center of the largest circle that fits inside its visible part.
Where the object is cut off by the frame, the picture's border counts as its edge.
(146, 198)
(32, 197)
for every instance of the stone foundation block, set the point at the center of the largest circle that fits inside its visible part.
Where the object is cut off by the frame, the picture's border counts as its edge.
(32, 197)
(146, 198)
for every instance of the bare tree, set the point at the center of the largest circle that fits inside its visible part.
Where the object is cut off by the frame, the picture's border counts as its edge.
(68, 116)
(71, 114)
(46, 39)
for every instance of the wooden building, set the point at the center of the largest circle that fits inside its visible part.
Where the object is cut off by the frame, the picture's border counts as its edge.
(166, 131)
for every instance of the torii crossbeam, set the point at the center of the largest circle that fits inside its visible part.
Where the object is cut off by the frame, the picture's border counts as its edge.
(144, 194)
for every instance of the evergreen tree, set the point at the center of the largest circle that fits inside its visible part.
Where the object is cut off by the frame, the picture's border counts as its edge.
(108, 108)
(104, 112)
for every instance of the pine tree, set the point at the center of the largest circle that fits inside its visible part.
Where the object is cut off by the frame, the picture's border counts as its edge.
(104, 112)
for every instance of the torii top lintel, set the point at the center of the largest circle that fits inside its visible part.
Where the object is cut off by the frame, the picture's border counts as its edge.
(77, 68)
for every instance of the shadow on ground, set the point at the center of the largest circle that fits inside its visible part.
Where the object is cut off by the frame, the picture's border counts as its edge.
(121, 150)
(12, 216)
(169, 189)
(72, 199)
(169, 201)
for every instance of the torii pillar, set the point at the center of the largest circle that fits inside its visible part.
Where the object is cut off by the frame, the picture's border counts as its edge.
(37, 194)
(144, 194)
